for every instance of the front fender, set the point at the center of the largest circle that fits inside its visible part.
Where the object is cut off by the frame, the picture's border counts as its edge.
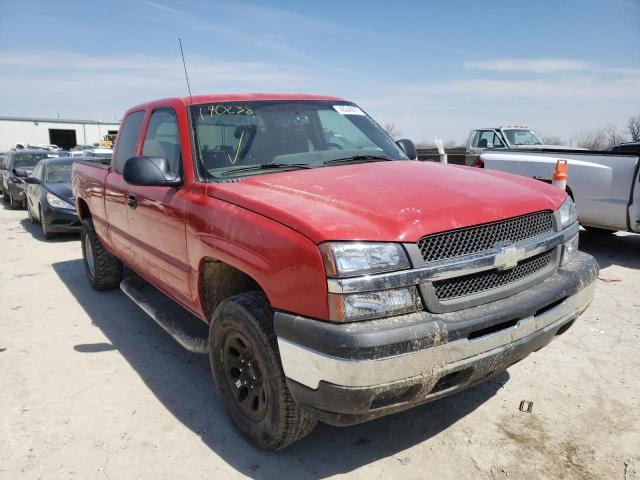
(285, 264)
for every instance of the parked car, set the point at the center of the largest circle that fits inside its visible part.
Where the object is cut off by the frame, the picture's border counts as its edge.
(332, 281)
(605, 186)
(49, 198)
(12, 184)
(518, 137)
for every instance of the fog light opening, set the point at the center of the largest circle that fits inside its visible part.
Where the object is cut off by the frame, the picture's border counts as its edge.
(394, 396)
(565, 327)
(452, 380)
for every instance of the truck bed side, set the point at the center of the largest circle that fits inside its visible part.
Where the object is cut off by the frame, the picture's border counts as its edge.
(602, 185)
(87, 181)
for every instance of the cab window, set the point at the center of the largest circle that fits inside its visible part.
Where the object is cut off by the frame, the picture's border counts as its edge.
(36, 171)
(485, 137)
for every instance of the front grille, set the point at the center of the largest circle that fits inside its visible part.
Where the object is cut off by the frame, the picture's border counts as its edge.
(482, 281)
(464, 241)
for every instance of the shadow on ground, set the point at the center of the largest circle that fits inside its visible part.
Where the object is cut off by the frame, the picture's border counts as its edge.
(36, 232)
(612, 249)
(4, 204)
(182, 382)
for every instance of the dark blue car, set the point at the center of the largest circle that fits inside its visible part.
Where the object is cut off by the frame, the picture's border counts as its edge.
(49, 197)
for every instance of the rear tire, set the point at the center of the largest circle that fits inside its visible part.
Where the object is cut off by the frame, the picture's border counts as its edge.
(103, 270)
(33, 219)
(599, 231)
(242, 347)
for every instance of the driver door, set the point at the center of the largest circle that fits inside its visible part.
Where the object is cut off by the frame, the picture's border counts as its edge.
(157, 215)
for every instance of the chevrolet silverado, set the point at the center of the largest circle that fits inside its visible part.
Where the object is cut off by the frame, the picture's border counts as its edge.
(327, 274)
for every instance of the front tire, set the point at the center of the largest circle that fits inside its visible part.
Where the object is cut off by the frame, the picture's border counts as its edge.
(13, 203)
(48, 234)
(103, 270)
(248, 375)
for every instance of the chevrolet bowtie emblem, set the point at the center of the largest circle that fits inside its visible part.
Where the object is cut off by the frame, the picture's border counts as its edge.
(508, 257)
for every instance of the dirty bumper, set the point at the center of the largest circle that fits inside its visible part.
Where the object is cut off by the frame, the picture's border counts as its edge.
(347, 374)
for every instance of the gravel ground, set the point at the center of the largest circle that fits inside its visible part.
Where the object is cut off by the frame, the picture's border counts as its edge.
(90, 388)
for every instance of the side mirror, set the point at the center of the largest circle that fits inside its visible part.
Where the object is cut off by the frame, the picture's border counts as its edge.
(150, 172)
(21, 172)
(32, 180)
(408, 148)
(489, 145)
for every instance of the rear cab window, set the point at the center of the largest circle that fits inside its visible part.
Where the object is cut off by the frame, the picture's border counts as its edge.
(128, 139)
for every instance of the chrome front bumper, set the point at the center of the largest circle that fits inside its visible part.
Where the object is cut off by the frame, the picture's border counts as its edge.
(309, 367)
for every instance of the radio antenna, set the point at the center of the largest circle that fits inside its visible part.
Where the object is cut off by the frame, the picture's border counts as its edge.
(184, 64)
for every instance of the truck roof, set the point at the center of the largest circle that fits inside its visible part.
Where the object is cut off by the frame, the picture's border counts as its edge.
(504, 127)
(240, 97)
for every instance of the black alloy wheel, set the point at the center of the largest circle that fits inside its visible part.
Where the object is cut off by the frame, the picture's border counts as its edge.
(244, 376)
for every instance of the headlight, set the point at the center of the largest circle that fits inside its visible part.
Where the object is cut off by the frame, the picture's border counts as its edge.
(569, 249)
(349, 259)
(567, 214)
(370, 305)
(57, 202)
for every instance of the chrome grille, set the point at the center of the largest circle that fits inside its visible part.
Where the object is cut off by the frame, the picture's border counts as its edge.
(482, 281)
(464, 241)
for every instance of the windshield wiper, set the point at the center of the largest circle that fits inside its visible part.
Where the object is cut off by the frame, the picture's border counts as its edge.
(358, 158)
(265, 166)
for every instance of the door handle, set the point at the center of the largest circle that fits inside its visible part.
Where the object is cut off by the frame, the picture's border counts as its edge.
(131, 200)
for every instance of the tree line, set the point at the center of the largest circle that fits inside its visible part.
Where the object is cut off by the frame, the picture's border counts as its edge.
(597, 139)
(601, 138)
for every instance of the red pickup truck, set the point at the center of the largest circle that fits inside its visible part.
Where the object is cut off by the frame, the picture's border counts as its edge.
(328, 275)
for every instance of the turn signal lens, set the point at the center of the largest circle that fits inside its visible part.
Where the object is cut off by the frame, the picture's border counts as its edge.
(370, 305)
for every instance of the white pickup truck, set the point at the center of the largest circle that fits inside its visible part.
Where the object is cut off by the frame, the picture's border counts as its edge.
(504, 138)
(605, 186)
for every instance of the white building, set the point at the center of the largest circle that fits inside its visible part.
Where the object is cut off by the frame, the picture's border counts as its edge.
(62, 132)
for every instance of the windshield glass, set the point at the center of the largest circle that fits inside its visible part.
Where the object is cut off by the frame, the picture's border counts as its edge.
(237, 135)
(26, 160)
(522, 137)
(59, 172)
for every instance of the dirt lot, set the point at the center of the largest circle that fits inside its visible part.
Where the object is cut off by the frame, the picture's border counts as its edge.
(91, 388)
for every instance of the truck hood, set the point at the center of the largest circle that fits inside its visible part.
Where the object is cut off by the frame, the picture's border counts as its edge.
(387, 201)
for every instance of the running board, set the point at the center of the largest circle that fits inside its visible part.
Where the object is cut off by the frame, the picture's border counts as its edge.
(188, 330)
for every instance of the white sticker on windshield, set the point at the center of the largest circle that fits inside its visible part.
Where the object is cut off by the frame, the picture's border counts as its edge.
(348, 110)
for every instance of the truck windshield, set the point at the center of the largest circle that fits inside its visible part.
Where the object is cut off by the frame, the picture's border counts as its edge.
(522, 137)
(232, 136)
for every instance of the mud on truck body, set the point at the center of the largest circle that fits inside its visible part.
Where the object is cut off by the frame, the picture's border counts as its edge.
(327, 274)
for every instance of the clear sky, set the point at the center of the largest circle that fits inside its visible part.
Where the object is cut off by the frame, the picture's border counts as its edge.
(434, 68)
